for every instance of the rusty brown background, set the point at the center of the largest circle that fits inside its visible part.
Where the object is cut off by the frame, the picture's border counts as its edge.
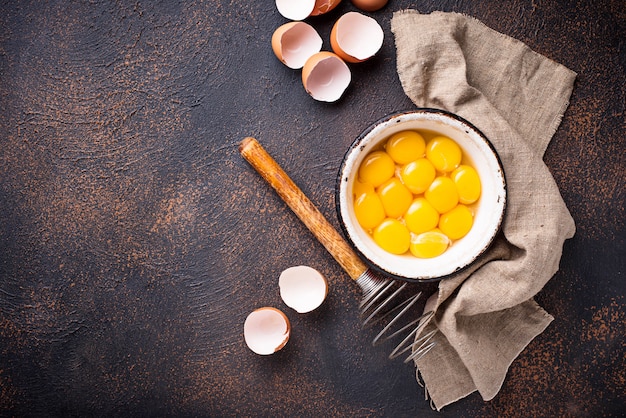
(134, 240)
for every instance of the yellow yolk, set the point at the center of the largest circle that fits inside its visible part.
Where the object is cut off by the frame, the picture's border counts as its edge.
(406, 146)
(376, 168)
(442, 194)
(392, 236)
(395, 196)
(369, 210)
(429, 244)
(359, 188)
(421, 216)
(411, 197)
(467, 184)
(444, 153)
(456, 223)
(418, 175)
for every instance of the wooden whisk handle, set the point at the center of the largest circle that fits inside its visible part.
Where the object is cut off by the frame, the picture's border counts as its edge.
(334, 243)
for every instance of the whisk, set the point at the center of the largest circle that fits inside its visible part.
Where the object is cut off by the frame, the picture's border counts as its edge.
(381, 297)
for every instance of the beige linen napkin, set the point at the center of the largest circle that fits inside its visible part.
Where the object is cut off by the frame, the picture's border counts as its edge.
(486, 315)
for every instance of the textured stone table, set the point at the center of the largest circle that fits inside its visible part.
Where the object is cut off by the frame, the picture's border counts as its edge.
(134, 240)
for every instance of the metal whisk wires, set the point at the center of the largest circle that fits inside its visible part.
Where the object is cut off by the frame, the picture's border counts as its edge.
(383, 303)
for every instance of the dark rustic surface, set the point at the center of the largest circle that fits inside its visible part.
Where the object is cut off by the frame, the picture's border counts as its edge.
(134, 240)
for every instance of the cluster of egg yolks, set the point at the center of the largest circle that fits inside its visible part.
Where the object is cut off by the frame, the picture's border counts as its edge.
(413, 196)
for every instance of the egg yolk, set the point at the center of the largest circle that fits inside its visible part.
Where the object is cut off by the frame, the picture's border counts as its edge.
(444, 153)
(359, 188)
(421, 216)
(392, 236)
(369, 210)
(442, 194)
(412, 197)
(429, 244)
(418, 175)
(376, 168)
(395, 196)
(467, 184)
(405, 146)
(457, 222)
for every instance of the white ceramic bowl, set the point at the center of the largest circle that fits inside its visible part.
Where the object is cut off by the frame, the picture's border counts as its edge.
(489, 210)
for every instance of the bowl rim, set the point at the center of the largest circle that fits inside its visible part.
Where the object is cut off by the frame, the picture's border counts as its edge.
(357, 143)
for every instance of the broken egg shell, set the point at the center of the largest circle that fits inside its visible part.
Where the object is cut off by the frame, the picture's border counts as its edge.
(294, 42)
(326, 76)
(295, 9)
(324, 6)
(302, 288)
(356, 37)
(266, 330)
(369, 5)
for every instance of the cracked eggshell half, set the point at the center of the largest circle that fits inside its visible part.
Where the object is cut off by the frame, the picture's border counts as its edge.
(356, 37)
(324, 6)
(302, 288)
(326, 76)
(294, 42)
(295, 9)
(266, 330)
(301, 9)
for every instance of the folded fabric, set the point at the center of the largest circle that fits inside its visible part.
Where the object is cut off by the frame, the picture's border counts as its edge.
(485, 316)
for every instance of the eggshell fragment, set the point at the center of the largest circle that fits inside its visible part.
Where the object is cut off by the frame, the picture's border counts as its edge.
(356, 37)
(325, 76)
(266, 330)
(294, 42)
(295, 9)
(369, 5)
(302, 288)
(324, 6)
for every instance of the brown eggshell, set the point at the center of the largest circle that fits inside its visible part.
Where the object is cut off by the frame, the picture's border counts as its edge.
(302, 288)
(370, 5)
(324, 6)
(326, 76)
(266, 330)
(356, 37)
(295, 9)
(294, 42)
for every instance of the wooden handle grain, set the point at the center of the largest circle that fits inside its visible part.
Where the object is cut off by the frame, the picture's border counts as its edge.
(334, 243)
